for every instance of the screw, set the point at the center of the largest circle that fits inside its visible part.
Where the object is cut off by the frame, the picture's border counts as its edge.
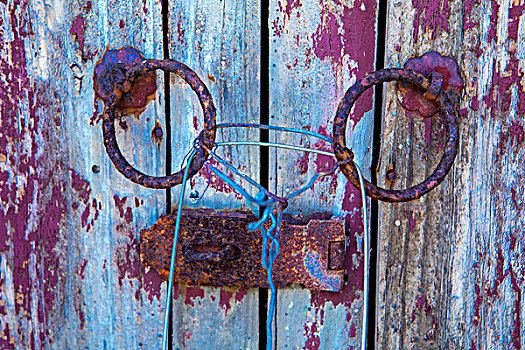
(126, 86)
(157, 131)
(95, 169)
(390, 173)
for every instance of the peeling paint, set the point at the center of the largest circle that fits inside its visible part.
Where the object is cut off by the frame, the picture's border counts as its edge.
(127, 213)
(225, 297)
(432, 16)
(493, 30)
(352, 46)
(193, 294)
(286, 7)
(32, 182)
(302, 163)
(311, 332)
(129, 266)
(516, 331)
(515, 134)
(77, 30)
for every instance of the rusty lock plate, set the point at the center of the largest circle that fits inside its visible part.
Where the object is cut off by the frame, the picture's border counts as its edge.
(216, 249)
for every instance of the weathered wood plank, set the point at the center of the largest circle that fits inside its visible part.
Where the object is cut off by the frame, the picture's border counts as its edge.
(317, 50)
(71, 277)
(451, 267)
(220, 41)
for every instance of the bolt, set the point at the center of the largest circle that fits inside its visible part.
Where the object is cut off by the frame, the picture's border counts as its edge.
(390, 173)
(126, 86)
(157, 134)
(95, 169)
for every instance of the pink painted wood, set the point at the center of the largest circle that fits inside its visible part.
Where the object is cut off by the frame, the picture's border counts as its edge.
(451, 264)
(318, 49)
(70, 274)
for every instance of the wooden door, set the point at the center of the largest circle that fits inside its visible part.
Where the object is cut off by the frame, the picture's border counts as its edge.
(449, 270)
(220, 39)
(317, 50)
(71, 275)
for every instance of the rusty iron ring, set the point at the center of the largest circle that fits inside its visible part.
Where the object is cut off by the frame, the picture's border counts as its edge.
(208, 108)
(345, 156)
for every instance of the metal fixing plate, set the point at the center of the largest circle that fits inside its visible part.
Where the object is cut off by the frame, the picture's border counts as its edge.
(216, 248)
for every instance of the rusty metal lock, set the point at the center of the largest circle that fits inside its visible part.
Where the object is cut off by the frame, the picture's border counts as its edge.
(217, 249)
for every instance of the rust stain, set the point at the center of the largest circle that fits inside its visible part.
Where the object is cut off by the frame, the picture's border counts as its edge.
(390, 174)
(132, 96)
(115, 78)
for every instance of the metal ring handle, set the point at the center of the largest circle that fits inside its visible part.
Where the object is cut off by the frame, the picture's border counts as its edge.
(208, 108)
(345, 156)
(226, 252)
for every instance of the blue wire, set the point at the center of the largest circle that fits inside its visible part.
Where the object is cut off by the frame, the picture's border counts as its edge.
(207, 183)
(271, 245)
(366, 253)
(310, 184)
(269, 252)
(267, 256)
(274, 250)
(236, 171)
(272, 127)
(173, 253)
(267, 234)
(258, 224)
(273, 144)
(233, 184)
(187, 161)
(262, 191)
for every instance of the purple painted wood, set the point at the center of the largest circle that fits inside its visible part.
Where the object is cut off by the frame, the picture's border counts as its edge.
(70, 274)
(318, 49)
(451, 264)
(450, 270)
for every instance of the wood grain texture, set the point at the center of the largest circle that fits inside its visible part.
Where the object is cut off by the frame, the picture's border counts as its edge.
(71, 277)
(220, 40)
(451, 264)
(317, 50)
